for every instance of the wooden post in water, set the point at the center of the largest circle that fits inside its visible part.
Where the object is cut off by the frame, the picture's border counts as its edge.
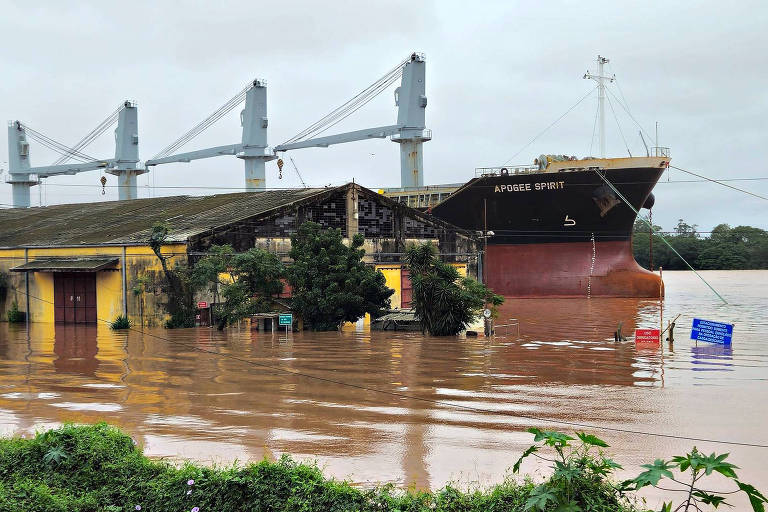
(661, 306)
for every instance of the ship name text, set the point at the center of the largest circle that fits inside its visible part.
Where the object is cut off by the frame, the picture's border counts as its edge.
(527, 187)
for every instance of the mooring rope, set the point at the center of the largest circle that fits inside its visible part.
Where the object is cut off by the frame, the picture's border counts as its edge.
(621, 196)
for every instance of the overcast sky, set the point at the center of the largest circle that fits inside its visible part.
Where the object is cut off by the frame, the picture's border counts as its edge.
(498, 73)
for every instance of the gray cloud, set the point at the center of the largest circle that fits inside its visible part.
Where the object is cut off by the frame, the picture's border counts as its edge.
(497, 74)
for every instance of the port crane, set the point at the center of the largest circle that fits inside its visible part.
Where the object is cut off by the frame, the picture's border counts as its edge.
(252, 149)
(125, 165)
(409, 132)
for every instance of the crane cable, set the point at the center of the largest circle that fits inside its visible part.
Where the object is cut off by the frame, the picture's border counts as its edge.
(205, 123)
(359, 100)
(103, 126)
(297, 172)
(56, 146)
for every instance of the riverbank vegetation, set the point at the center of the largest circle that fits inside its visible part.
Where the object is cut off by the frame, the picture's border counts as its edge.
(98, 468)
(444, 301)
(726, 247)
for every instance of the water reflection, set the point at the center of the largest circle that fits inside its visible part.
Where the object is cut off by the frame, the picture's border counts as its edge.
(76, 349)
(712, 357)
(564, 365)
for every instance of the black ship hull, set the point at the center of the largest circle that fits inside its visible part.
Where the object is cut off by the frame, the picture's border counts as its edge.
(558, 233)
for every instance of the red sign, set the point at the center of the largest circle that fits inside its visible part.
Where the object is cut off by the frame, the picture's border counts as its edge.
(202, 305)
(647, 335)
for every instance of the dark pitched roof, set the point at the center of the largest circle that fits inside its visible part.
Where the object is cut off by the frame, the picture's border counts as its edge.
(129, 222)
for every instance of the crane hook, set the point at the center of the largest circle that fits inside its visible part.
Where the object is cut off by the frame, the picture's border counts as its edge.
(280, 168)
(103, 181)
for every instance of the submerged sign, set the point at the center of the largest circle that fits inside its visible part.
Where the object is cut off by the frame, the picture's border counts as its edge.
(713, 332)
(647, 335)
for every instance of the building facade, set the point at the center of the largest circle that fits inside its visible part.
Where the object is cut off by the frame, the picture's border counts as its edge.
(88, 263)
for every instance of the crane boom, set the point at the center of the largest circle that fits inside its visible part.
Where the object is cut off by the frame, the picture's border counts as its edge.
(379, 132)
(47, 171)
(229, 149)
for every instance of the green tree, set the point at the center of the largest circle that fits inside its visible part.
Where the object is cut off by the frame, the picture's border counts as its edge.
(444, 301)
(248, 281)
(330, 283)
(177, 284)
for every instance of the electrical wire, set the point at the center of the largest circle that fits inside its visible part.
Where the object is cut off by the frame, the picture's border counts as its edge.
(453, 405)
(211, 187)
(720, 182)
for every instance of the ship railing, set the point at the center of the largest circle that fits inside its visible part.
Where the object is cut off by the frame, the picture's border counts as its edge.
(659, 151)
(506, 170)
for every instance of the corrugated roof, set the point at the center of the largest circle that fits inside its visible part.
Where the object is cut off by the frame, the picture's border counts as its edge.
(127, 222)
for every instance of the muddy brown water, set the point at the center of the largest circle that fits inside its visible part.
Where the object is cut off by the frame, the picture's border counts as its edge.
(180, 402)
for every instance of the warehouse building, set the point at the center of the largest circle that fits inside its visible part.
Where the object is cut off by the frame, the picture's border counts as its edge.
(83, 263)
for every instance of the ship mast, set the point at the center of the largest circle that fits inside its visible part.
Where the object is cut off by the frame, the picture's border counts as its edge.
(600, 78)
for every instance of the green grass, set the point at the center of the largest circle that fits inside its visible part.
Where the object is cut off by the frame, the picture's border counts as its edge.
(99, 468)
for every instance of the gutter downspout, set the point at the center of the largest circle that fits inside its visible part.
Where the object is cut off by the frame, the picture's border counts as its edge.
(26, 284)
(124, 272)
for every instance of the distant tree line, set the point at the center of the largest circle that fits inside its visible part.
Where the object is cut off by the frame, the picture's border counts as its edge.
(726, 248)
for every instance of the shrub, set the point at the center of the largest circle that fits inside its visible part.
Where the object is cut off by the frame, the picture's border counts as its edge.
(14, 315)
(444, 301)
(121, 322)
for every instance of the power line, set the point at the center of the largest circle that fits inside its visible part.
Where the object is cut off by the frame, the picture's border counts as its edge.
(454, 405)
(720, 182)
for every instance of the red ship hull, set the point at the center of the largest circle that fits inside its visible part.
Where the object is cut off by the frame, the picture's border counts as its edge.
(567, 270)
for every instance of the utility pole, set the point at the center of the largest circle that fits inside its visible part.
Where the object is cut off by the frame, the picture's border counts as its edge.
(650, 240)
(485, 241)
(600, 78)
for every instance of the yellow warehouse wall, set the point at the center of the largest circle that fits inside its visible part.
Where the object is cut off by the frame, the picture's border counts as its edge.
(392, 276)
(140, 260)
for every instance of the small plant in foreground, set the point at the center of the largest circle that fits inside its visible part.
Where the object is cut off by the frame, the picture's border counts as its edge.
(121, 322)
(14, 315)
(580, 480)
(697, 465)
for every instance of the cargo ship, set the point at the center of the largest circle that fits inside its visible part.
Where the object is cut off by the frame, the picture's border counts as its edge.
(560, 227)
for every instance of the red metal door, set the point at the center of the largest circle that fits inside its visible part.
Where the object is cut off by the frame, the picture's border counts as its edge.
(74, 298)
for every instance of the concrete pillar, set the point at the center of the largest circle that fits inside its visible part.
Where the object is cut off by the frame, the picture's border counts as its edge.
(352, 211)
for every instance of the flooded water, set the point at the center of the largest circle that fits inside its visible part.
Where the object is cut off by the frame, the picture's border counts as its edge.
(180, 402)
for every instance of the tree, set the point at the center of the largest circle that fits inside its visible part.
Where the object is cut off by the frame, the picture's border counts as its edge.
(330, 283)
(248, 281)
(177, 284)
(444, 301)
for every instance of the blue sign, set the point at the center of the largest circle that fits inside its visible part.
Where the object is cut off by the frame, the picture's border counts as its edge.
(286, 319)
(713, 332)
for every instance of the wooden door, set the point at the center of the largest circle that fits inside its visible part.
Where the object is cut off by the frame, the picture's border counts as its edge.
(75, 297)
